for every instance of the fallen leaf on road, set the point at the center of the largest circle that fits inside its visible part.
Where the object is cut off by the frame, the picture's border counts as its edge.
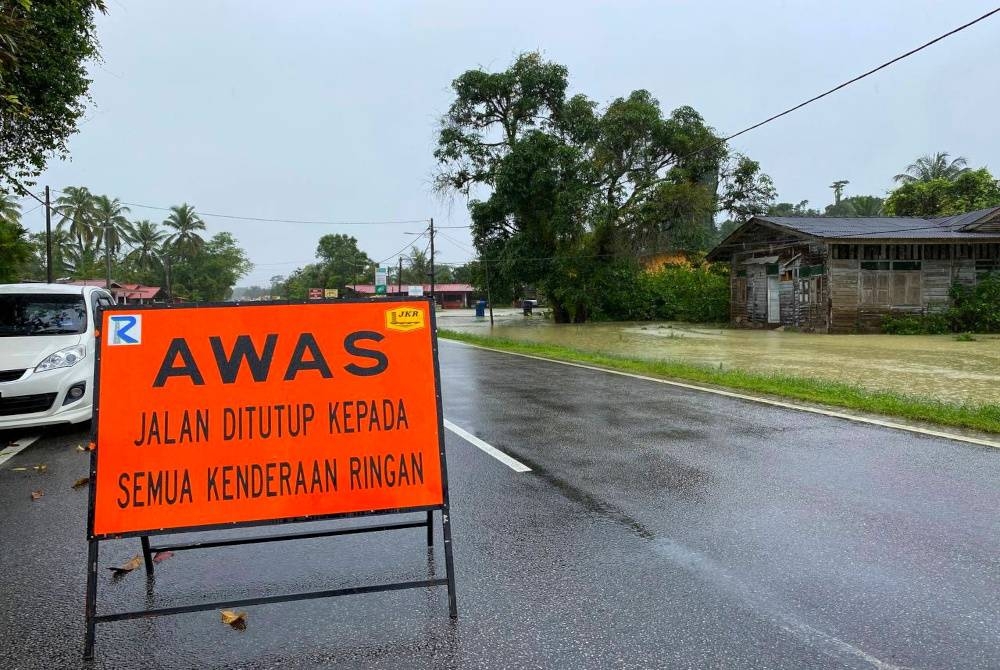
(162, 556)
(41, 467)
(81, 482)
(237, 620)
(19, 469)
(35, 495)
(128, 566)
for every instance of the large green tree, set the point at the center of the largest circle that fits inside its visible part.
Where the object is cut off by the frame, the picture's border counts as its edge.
(45, 46)
(574, 190)
(342, 262)
(210, 273)
(970, 191)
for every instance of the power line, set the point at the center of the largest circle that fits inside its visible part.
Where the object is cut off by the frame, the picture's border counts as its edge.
(400, 252)
(269, 220)
(858, 78)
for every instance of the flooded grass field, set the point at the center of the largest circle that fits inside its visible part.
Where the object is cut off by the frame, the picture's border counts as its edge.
(934, 366)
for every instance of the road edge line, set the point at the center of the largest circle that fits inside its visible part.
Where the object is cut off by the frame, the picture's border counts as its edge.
(741, 396)
(16, 447)
(487, 448)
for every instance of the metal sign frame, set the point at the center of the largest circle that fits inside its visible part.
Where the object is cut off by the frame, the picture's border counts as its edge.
(92, 618)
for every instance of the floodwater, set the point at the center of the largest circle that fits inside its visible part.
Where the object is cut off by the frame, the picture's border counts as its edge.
(936, 366)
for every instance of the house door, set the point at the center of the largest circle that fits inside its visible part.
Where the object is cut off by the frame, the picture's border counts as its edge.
(773, 302)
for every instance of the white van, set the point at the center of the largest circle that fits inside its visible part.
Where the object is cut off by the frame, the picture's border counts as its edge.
(47, 350)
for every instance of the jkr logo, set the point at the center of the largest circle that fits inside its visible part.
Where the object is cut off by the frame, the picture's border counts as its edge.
(125, 329)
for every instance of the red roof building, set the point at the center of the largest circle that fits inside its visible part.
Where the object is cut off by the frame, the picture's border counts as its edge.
(127, 294)
(449, 296)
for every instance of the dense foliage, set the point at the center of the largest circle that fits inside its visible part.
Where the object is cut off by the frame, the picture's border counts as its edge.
(45, 46)
(624, 291)
(969, 191)
(575, 192)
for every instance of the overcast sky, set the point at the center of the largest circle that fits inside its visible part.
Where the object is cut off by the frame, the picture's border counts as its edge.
(328, 110)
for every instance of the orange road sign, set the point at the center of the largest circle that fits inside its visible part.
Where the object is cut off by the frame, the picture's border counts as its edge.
(210, 416)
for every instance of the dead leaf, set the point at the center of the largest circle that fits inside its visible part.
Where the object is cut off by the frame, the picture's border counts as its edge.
(19, 469)
(128, 566)
(81, 482)
(80, 448)
(41, 467)
(237, 620)
(35, 495)
(161, 556)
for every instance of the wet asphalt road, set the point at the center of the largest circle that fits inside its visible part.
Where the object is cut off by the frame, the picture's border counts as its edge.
(659, 528)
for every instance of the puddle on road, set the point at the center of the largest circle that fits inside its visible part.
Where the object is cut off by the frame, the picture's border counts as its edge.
(937, 366)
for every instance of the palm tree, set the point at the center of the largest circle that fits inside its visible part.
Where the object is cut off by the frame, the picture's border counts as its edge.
(145, 238)
(10, 210)
(184, 240)
(76, 207)
(929, 167)
(111, 223)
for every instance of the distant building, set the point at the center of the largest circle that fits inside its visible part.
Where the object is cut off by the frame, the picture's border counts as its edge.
(449, 296)
(126, 294)
(843, 275)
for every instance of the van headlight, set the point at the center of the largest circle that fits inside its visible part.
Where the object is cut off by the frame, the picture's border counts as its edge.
(64, 358)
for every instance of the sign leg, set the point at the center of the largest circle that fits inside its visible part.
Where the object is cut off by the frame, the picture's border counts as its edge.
(91, 602)
(430, 528)
(449, 564)
(147, 556)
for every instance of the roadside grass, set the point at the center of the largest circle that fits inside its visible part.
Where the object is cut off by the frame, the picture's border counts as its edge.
(984, 417)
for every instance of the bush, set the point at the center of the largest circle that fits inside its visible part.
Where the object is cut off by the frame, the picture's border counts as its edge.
(976, 308)
(915, 324)
(694, 294)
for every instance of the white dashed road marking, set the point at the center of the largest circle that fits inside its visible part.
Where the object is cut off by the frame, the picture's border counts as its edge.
(513, 464)
(14, 448)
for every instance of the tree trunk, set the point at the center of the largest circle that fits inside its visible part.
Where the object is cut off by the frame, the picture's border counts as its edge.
(559, 312)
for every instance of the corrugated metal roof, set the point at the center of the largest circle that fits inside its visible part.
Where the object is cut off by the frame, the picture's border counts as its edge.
(885, 227)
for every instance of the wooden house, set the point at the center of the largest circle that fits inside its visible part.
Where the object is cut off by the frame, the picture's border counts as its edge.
(843, 275)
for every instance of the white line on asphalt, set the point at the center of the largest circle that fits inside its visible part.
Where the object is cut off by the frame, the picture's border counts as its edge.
(515, 465)
(14, 448)
(740, 396)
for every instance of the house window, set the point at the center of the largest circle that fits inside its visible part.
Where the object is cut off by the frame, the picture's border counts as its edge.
(875, 288)
(871, 252)
(937, 252)
(875, 265)
(845, 252)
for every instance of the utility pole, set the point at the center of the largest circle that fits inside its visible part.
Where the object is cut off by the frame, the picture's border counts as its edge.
(166, 266)
(489, 300)
(107, 253)
(399, 277)
(432, 264)
(48, 238)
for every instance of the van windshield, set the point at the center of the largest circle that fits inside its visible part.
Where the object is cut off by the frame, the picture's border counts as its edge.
(41, 314)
